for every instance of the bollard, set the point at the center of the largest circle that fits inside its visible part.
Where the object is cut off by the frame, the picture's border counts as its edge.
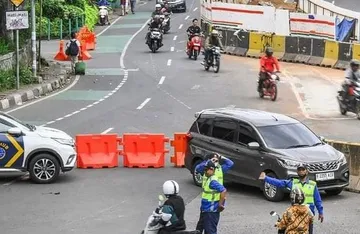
(61, 29)
(48, 30)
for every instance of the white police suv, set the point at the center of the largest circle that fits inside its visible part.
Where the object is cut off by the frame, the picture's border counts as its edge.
(41, 151)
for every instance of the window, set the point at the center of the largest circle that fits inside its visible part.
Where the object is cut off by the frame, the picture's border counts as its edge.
(224, 130)
(288, 136)
(246, 134)
(5, 126)
(204, 125)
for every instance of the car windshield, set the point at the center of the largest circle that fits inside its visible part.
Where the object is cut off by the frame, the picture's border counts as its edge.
(287, 136)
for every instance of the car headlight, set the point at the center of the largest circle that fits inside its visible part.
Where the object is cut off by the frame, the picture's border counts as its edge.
(64, 141)
(289, 164)
(342, 159)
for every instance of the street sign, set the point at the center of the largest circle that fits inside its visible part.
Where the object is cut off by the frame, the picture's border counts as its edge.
(16, 20)
(17, 3)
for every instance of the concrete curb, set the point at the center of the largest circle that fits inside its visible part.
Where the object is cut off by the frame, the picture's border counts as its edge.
(33, 93)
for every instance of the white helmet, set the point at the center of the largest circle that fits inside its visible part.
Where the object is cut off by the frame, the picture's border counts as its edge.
(157, 6)
(170, 187)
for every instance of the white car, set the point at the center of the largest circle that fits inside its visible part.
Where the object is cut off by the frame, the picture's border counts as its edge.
(41, 151)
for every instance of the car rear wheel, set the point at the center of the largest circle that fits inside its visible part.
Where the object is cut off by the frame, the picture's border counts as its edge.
(197, 177)
(333, 192)
(44, 169)
(272, 193)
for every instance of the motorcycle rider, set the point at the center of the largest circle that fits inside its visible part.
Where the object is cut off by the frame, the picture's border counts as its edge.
(103, 11)
(352, 74)
(166, 8)
(155, 23)
(267, 64)
(157, 11)
(297, 218)
(212, 40)
(194, 28)
(222, 165)
(174, 206)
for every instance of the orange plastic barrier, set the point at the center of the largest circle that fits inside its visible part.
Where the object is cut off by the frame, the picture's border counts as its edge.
(84, 54)
(180, 144)
(144, 150)
(89, 37)
(61, 56)
(97, 151)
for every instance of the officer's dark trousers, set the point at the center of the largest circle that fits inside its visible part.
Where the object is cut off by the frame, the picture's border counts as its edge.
(210, 221)
(311, 228)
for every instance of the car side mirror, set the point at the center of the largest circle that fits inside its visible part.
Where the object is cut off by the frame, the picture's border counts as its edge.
(254, 145)
(15, 131)
(322, 138)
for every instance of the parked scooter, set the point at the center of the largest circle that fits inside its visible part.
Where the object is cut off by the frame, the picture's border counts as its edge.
(273, 213)
(153, 226)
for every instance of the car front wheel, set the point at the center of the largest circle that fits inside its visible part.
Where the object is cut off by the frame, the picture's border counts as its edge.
(272, 193)
(44, 169)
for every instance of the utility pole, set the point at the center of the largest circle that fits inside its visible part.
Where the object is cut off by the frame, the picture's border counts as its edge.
(33, 37)
(40, 32)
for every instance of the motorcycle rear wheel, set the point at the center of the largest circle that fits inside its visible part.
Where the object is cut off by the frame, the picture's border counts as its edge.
(195, 54)
(343, 111)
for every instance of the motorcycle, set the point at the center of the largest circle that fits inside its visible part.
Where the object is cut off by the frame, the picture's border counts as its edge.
(102, 16)
(213, 59)
(273, 213)
(166, 22)
(153, 226)
(269, 86)
(155, 39)
(194, 46)
(352, 103)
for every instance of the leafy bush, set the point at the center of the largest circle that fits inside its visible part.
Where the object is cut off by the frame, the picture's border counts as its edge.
(91, 16)
(8, 78)
(6, 46)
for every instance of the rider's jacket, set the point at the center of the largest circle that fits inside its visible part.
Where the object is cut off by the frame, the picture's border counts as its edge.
(175, 206)
(193, 29)
(213, 41)
(267, 64)
(296, 219)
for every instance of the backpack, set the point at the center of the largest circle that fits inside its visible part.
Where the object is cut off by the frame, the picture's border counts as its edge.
(73, 49)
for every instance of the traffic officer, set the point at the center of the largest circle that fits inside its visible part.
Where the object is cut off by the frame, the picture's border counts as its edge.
(312, 195)
(212, 199)
(222, 165)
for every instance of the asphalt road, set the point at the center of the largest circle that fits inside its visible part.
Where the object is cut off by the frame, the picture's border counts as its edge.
(119, 200)
(347, 4)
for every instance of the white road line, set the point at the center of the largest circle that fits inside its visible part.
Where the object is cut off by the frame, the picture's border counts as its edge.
(175, 37)
(195, 9)
(172, 48)
(162, 80)
(169, 62)
(143, 104)
(181, 25)
(116, 20)
(107, 130)
(196, 87)
(187, 17)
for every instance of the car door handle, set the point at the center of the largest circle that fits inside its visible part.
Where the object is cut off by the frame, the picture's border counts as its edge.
(210, 141)
(237, 150)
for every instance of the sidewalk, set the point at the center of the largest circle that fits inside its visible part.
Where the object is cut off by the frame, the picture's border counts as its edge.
(54, 77)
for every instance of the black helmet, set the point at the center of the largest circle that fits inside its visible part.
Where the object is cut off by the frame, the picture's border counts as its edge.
(354, 62)
(209, 165)
(297, 196)
(269, 51)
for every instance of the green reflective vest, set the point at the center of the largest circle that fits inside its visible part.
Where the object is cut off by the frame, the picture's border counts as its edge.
(308, 190)
(219, 174)
(207, 193)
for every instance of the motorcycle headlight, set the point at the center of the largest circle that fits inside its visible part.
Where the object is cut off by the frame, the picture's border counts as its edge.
(288, 164)
(342, 159)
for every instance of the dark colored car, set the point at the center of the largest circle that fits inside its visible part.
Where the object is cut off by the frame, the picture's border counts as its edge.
(260, 141)
(177, 5)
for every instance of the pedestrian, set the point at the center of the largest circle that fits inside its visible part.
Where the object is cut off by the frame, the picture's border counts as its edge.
(309, 187)
(72, 50)
(223, 165)
(132, 5)
(213, 199)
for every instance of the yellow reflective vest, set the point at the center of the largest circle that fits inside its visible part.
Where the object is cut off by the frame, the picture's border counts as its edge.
(308, 189)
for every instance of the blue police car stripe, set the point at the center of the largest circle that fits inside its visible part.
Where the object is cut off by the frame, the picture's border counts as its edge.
(11, 151)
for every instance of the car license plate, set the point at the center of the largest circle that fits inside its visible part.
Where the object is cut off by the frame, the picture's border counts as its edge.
(325, 176)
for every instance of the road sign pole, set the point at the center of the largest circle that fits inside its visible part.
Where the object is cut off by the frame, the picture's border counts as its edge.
(40, 33)
(33, 37)
(17, 57)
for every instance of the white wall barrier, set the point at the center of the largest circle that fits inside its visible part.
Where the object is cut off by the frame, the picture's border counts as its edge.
(320, 7)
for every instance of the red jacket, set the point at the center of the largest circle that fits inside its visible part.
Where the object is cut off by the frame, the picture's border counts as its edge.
(269, 63)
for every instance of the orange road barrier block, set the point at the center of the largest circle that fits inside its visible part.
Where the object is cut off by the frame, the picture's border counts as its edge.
(84, 54)
(144, 150)
(97, 151)
(89, 38)
(180, 144)
(61, 56)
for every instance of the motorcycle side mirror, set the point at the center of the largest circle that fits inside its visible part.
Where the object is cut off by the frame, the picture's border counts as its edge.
(273, 213)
